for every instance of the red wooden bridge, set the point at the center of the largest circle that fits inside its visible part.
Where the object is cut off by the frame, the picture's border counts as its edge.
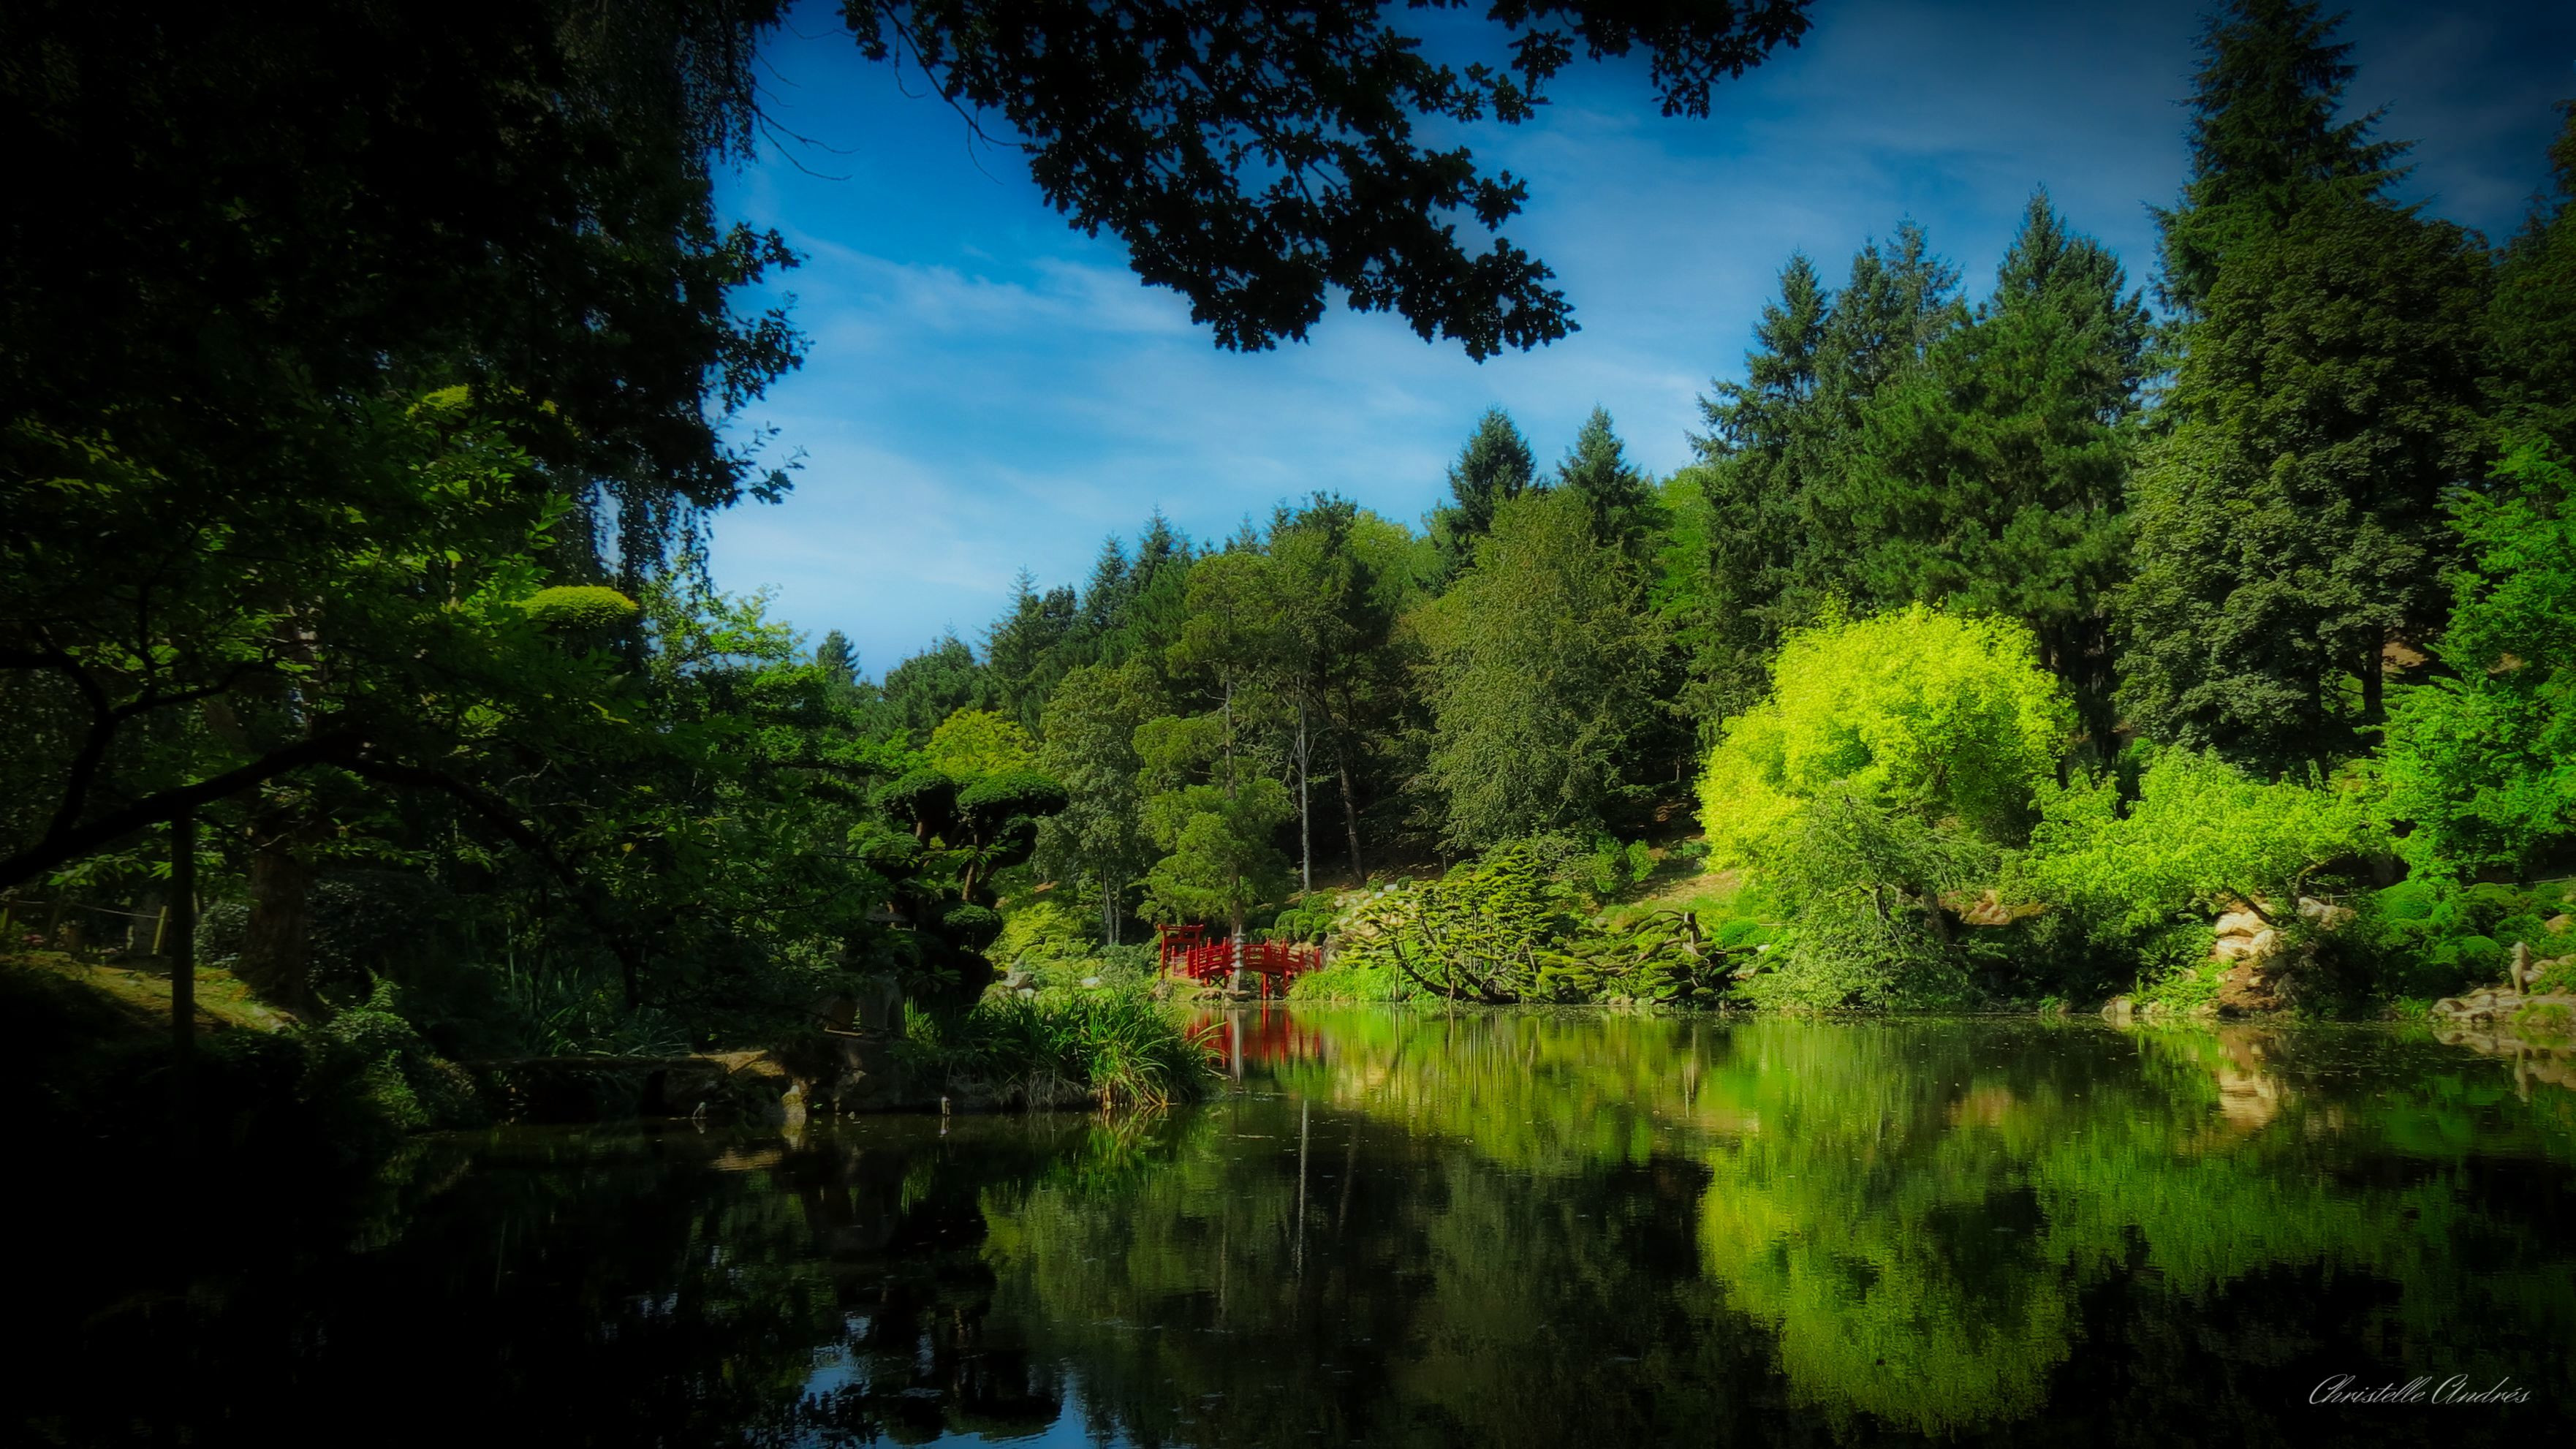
(1186, 951)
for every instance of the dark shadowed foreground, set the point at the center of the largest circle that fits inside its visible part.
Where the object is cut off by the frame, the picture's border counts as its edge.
(1477, 1229)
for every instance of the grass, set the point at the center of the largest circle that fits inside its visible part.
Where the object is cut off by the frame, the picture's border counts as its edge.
(1678, 885)
(141, 996)
(1116, 1047)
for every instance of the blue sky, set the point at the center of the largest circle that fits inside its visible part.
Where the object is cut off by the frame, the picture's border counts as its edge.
(987, 389)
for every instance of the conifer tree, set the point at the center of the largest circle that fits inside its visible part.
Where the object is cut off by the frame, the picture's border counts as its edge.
(1991, 479)
(1761, 453)
(2532, 323)
(838, 661)
(2288, 527)
(1494, 468)
(1619, 498)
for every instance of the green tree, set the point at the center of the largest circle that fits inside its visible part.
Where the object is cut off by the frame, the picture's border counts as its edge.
(1621, 500)
(1538, 666)
(1894, 757)
(1785, 529)
(1992, 480)
(2532, 322)
(1495, 467)
(1937, 717)
(927, 688)
(1339, 580)
(1762, 455)
(2483, 759)
(2288, 527)
(1026, 650)
(2200, 836)
(1212, 820)
(1100, 840)
(321, 350)
(977, 742)
(838, 661)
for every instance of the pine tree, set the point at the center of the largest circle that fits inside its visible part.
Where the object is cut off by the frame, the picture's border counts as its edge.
(1991, 479)
(1760, 454)
(1022, 650)
(2288, 528)
(1619, 498)
(838, 661)
(1780, 526)
(2533, 320)
(1494, 468)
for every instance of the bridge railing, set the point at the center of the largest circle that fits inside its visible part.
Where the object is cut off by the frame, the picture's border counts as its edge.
(1187, 953)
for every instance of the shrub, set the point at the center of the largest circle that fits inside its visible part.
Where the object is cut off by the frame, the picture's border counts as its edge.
(580, 609)
(2200, 835)
(1934, 716)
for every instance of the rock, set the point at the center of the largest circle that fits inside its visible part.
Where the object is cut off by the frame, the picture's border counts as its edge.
(2518, 968)
(2560, 924)
(2232, 948)
(2246, 989)
(2119, 1010)
(1091, 981)
(2493, 1010)
(2264, 944)
(2328, 918)
(2240, 923)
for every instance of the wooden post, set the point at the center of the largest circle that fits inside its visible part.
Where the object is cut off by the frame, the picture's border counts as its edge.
(180, 925)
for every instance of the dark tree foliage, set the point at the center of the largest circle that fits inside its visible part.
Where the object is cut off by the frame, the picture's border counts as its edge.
(356, 302)
(1619, 498)
(1495, 467)
(934, 684)
(1782, 542)
(838, 661)
(1992, 478)
(2289, 526)
(1025, 652)
(1256, 157)
(2532, 324)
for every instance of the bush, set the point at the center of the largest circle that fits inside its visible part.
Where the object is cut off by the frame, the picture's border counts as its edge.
(1861, 884)
(2201, 835)
(1937, 717)
(580, 609)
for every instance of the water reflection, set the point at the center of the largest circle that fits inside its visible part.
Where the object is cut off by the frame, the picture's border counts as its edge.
(1432, 1229)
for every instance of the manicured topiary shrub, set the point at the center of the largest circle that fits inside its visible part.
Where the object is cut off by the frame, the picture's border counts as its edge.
(580, 608)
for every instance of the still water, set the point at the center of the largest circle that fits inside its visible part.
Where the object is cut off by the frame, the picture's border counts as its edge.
(1484, 1229)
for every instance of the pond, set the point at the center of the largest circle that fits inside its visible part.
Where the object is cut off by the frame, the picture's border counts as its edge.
(1474, 1229)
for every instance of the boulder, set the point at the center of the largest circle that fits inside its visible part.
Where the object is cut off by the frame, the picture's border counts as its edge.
(2327, 917)
(2246, 989)
(2240, 923)
(2560, 924)
(2119, 1011)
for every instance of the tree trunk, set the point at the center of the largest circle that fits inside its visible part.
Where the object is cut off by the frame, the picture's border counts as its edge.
(1350, 809)
(1305, 830)
(2374, 687)
(274, 942)
(180, 939)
